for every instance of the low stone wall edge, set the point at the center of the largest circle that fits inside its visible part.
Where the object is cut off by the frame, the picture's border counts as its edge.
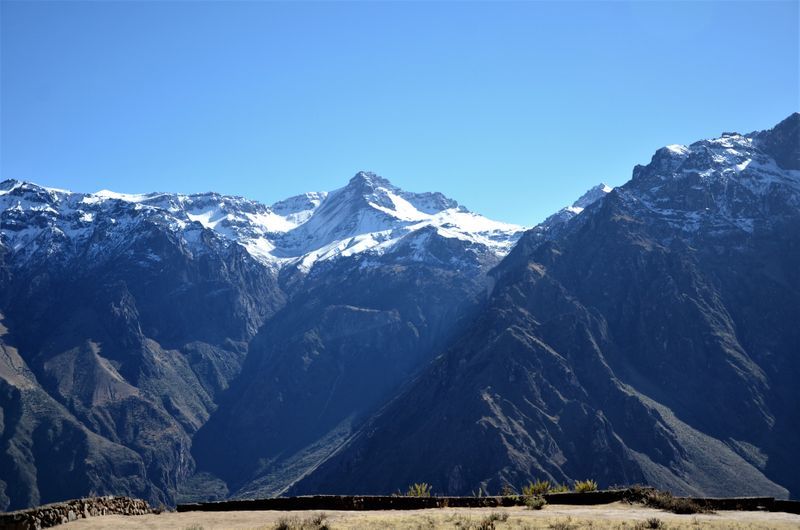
(49, 515)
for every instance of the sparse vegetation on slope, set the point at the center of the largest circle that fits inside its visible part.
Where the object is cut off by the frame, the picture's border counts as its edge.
(539, 487)
(664, 500)
(582, 486)
(653, 522)
(313, 522)
(535, 502)
(421, 489)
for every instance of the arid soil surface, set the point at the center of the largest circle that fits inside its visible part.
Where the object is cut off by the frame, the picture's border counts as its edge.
(616, 515)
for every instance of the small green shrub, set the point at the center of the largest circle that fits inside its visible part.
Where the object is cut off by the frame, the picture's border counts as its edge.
(582, 486)
(653, 522)
(559, 488)
(488, 522)
(286, 523)
(562, 525)
(318, 520)
(460, 521)
(535, 502)
(540, 487)
(421, 489)
(665, 501)
(315, 522)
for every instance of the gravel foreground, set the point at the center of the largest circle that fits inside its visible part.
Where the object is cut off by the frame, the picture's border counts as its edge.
(610, 516)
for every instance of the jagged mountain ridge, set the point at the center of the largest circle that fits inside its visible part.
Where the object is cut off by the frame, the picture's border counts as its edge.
(652, 339)
(369, 215)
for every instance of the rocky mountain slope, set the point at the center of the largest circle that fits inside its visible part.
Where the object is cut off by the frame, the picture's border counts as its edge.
(125, 318)
(652, 340)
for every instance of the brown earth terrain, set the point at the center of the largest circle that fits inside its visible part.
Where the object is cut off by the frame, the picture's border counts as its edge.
(617, 515)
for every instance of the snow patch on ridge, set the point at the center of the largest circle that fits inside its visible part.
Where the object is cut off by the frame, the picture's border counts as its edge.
(107, 194)
(678, 149)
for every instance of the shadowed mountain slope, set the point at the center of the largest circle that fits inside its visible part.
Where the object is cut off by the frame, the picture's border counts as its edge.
(654, 340)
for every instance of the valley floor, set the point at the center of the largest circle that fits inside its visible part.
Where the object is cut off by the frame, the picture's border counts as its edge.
(610, 516)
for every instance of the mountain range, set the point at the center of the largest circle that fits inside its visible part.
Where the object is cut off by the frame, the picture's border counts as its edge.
(186, 347)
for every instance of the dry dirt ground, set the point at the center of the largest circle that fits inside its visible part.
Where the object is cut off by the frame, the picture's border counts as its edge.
(609, 516)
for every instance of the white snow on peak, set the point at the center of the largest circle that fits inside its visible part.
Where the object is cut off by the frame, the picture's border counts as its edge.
(294, 211)
(400, 209)
(368, 216)
(209, 219)
(107, 194)
(591, 196)
(724, 158)
(678, 149)
(553, 223)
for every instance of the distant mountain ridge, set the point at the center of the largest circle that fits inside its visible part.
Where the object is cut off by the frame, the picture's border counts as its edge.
(368, 215)
(188, 347)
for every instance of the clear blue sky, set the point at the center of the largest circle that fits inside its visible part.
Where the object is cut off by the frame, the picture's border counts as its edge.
(511, 108)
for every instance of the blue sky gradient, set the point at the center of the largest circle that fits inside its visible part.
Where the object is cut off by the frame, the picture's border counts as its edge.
(514, 109)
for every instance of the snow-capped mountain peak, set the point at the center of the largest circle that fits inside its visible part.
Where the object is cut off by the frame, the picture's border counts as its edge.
(591, 196)
(372, 215)
(367, 216)
(369, 180)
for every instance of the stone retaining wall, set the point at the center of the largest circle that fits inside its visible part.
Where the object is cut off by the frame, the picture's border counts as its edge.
(378, 502)
(64, 512)
(385, 502)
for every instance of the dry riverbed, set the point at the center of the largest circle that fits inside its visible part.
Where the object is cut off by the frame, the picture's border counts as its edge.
(609, 516)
